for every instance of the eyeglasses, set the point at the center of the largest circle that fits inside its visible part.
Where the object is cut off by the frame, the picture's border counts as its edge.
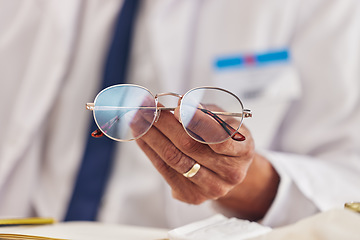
(209, 115)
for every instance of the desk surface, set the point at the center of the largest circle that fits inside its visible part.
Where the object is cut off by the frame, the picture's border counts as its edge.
(88, 231)
(330, 225)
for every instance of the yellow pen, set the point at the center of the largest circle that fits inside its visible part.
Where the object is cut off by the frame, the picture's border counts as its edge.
(354, 206)
(26, 221)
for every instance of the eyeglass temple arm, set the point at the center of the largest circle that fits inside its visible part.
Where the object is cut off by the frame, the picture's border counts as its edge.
(98, 133)
(229, 129)
(246, 113)
(214, 114)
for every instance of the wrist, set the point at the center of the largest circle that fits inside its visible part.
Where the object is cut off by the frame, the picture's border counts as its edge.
(252, 198)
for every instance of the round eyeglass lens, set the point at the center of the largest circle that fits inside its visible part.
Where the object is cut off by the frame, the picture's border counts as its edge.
(211, 115)
(124, 112)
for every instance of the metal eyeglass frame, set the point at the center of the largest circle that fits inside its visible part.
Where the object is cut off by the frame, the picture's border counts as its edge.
(233, 133)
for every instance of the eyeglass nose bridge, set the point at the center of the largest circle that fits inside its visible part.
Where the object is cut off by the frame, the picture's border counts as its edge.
(165, 108)
(168, 94)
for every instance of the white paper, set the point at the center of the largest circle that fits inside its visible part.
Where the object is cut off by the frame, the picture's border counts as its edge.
(219, 227)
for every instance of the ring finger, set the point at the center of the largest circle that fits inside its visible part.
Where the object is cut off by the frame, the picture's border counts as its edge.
(206, 180)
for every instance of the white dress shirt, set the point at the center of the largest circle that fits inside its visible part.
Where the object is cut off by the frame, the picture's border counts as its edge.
(306, 110)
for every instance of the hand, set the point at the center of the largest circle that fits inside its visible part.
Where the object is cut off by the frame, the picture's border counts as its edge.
(224, 166)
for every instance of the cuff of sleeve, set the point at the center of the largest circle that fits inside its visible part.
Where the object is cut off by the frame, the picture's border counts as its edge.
(290, 204)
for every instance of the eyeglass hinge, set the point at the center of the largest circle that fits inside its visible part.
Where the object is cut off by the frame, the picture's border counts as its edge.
(247, 113)
(90, 106)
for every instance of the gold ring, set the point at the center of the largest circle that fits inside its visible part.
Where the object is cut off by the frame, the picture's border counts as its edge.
(194, 169)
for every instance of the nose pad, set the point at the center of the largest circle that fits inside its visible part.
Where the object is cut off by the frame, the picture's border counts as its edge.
(157, 115)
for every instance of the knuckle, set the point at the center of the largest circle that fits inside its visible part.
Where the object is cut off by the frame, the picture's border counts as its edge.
(235, 176)
(172, 155)
(221, 147)
(249, 151)
(218, 191)
(189, 145)
(194, 124)
(176, 159)
(161, 166)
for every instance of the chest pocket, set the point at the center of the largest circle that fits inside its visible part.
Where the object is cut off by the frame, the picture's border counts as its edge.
(266, 90)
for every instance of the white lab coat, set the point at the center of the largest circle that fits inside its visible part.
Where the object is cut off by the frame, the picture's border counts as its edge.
(306, 111)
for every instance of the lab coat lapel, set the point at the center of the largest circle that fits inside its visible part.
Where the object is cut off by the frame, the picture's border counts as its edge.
(41, 81)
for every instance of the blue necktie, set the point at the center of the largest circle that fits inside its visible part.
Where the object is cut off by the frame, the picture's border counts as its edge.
(97, 160)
